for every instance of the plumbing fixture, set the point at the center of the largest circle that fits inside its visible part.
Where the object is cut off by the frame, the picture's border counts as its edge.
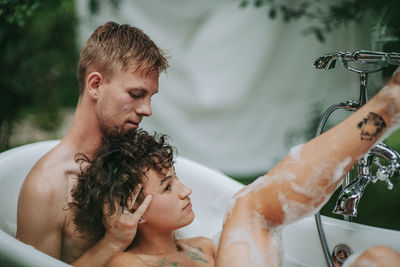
(362, 62)
(340, 253)
(350, 196)
(360, 57)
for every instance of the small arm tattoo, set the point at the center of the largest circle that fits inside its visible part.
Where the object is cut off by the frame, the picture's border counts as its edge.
(371, 126)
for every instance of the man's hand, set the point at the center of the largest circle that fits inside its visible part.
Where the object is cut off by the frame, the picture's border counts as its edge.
(121, 227)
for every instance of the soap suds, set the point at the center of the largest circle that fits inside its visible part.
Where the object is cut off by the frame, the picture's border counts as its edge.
(291, 209)
(311, 189)
(295, 210)
(295, 152)
(258, 256)
(339, 171)
(243, 235)
(261, 183)
(264, 181)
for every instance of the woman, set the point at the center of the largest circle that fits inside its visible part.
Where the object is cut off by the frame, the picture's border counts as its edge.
(123, 164)
(135, 167)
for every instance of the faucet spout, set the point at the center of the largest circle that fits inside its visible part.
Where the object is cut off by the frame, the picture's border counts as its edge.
(327, 61)
(349, 198)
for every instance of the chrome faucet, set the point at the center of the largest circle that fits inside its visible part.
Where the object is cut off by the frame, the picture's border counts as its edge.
(363, 63)
(327, 61)
(350, 196)
(359, 57)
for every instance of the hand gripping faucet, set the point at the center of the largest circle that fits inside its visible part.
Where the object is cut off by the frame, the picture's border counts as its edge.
(350, 196)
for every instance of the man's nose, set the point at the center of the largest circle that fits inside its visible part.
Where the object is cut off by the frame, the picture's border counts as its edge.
(144, 109)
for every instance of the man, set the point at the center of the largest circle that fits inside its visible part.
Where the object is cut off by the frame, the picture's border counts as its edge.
(118, 74)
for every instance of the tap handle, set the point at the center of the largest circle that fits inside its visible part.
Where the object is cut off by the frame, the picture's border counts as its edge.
(385, 172)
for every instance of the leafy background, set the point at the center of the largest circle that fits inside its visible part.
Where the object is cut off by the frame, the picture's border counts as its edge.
(37, 40)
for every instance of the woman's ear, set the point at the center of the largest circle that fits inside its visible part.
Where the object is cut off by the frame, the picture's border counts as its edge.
(93, 82)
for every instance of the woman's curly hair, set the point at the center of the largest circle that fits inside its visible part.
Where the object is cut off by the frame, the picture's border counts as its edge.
(117, 168)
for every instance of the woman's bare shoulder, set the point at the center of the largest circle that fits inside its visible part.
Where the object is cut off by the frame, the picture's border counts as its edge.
(125, 259)
(202, 244)
(198, 240)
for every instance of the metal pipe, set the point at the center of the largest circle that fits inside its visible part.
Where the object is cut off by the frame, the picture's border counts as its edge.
(349, 106)
(363, 88)
(317, 216)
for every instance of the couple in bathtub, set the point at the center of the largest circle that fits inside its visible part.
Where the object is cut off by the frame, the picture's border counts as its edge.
(132, 173)
(127, 201)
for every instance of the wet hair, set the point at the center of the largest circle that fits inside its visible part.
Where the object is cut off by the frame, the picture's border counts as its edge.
(119, 165)
(114, 45)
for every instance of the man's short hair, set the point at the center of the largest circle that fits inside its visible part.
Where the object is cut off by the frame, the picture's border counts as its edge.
(114, 45)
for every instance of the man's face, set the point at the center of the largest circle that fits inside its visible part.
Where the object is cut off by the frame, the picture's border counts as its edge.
(170, 207)
(125, 99)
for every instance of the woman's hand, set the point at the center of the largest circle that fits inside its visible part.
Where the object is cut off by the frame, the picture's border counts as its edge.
(121, 226)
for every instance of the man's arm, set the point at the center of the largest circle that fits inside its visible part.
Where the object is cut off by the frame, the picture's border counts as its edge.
(39, 217)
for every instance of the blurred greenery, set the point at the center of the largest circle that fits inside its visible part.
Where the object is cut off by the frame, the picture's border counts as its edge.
(37, 40)
(326, 16)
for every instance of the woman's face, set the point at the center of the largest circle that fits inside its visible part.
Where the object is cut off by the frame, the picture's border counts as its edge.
(170, 207)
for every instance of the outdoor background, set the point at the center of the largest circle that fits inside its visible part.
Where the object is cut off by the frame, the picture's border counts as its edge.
(240, 90)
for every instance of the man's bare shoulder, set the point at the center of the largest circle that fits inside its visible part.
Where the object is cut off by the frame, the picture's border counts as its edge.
(51, 175)
(57, 162)
(125, 259)
(43, 199)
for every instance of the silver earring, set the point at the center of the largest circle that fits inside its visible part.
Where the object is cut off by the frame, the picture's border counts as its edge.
(141, 220)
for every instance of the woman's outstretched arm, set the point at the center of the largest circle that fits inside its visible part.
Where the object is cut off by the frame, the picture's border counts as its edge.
(302, 182)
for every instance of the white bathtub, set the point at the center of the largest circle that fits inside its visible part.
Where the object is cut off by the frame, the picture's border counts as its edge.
(212, 191)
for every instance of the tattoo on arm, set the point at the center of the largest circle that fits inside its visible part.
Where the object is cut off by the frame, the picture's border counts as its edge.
(371, 126)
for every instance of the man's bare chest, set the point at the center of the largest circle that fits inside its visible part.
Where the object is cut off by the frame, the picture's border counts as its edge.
(73, 245)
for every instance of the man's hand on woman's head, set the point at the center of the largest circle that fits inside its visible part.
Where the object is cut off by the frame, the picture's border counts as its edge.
(121, 226)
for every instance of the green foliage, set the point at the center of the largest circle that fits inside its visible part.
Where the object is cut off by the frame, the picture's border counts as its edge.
(326, 16)
(17, 12)
(95, 5)
(37, 40)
